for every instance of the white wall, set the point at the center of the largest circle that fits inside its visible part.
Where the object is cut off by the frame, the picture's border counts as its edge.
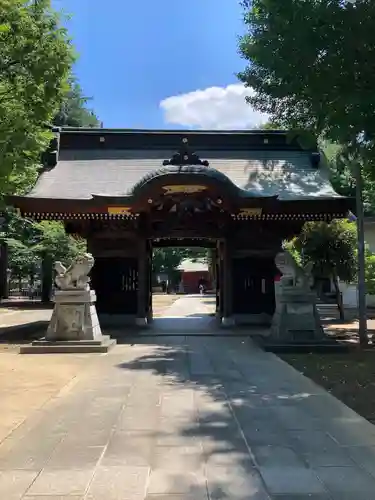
(370, 233)
(349, 295)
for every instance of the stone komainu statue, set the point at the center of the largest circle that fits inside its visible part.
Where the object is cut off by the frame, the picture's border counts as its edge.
(75, 277)
(293, 274)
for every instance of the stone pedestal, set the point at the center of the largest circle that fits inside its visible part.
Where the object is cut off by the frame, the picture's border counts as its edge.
(228, 322)
(296, 319)
(74, 316)
(74, 326)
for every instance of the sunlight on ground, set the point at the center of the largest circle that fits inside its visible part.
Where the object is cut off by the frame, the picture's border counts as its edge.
(27, 384)
(161, 301)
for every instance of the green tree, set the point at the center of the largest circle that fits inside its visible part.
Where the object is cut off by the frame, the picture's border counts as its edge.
(166, 260)
(169, 258)
(20, 235)
(36, 58)
(370, 273)
(308, 65)
(332, 250)
(342, 176)
(53, 242)
(73, 111)
(23, 262)
(268, 126)
(30, 242)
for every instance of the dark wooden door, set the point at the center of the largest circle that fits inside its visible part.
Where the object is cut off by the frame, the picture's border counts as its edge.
(253, 286)
(218, 285)
(115, 281)
(149, 280)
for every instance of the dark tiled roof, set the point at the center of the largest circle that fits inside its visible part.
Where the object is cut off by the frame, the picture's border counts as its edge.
(81, 173)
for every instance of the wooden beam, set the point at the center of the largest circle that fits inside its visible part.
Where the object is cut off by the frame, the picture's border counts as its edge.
(143, 280)
(227, 278)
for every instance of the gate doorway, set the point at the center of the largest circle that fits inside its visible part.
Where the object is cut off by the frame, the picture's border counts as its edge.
(182, 272)
(253, 286)
(116, 283)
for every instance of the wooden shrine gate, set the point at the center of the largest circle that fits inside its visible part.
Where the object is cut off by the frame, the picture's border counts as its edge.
(116, 283)
(253, 289)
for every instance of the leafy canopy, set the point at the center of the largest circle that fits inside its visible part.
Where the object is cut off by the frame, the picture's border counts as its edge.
(73, 111)
(168, 259)
(308, 62)
(55, 243)
(23, 262)
(36, 57)
(330, 247)
(29, 242)
(342, 178)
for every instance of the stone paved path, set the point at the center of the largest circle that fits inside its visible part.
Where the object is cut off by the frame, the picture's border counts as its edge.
(27, 383)
(15, 318)
(191, 306)
(189, 314)
(186, 417)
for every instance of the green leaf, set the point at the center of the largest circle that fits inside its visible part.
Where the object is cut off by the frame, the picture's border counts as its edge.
(306, 72)
(331, 248)
(36, 60)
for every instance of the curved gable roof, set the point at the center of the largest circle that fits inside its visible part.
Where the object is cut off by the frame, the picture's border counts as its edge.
(80, 174)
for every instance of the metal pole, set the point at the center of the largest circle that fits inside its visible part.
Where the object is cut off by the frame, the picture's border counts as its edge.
(363, 339)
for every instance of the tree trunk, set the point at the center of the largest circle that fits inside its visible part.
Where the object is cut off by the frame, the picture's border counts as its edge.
(47, 277)
(4, 281)
(319, 289)
(362, 310)
(338, 297)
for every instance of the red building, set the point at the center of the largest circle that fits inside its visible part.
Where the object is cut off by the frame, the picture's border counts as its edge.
(193, 274)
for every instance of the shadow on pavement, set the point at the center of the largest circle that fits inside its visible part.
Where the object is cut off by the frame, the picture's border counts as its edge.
(23, 333)
(231, 416)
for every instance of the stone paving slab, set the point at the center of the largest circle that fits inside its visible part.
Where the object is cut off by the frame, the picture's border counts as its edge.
(27, 384)
(54, 497)
(190, 418)
(14, 318)
(116, 483)
(235, 482)
(53, 482)
(346, 483)
(14, 483)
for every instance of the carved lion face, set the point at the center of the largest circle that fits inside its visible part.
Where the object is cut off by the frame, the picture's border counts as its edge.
(86, 259)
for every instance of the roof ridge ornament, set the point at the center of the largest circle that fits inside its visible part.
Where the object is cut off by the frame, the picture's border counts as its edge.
(185, 157)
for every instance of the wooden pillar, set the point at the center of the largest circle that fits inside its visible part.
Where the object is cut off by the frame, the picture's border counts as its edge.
(4, 285)
(220, 294)
(227, 283)
(218, 280)
(217, 289)
(143, 282)
(149, 284)
(212, 257)
(47, 277)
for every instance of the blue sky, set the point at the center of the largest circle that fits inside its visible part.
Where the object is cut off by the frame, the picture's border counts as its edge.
(144, 61)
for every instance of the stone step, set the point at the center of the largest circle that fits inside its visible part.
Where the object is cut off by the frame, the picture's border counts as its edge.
(71, 342)
(42, 347)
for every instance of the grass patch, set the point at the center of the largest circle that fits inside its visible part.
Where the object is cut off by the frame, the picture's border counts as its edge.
(348, 376)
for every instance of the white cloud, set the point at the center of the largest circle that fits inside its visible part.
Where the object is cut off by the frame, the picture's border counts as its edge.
(213, 108)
